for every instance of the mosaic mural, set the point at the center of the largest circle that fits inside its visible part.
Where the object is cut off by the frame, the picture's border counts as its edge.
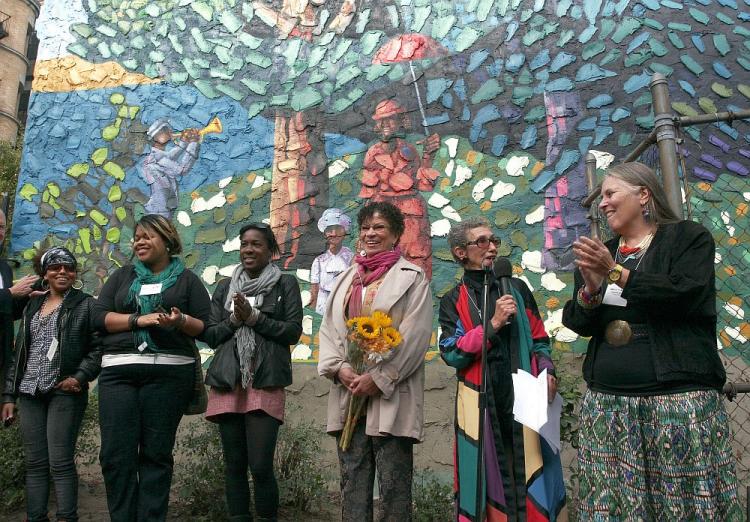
(217, 112)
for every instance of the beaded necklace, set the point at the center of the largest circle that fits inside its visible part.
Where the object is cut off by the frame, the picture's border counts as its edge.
(626, 253)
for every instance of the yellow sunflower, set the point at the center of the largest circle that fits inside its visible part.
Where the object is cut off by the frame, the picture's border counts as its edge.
(352, 323)
(367, 328)
(382, 319)
(392, 337)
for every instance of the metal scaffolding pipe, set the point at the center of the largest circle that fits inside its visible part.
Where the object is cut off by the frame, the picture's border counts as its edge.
(593, 214)
(687, 121)
(664, 127)
(641, 148)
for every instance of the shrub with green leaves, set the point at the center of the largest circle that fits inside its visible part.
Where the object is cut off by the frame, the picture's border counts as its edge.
(11, 469)
(301, 477)
(432, 499)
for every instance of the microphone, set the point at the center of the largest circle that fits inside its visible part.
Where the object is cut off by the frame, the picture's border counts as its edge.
(503, 272)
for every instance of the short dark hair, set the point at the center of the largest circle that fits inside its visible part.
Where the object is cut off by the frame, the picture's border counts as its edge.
(387, 211)
(165, 229)
(267, 233)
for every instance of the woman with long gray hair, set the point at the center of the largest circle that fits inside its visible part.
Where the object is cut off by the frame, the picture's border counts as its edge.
(255, 315)
(654, 435)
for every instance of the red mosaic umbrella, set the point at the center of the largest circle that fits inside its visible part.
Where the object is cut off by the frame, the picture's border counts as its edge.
(408, 48)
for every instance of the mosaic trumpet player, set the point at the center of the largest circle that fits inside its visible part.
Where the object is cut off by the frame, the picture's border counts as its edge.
(164, 166)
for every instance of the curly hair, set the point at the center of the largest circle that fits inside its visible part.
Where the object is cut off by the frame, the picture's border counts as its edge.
(385, 210)
(458, 231)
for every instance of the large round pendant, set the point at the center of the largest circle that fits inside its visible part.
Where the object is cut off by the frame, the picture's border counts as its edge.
(618, 333)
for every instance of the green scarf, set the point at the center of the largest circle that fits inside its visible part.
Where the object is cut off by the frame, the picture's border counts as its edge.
(526, 345)
(147, 304)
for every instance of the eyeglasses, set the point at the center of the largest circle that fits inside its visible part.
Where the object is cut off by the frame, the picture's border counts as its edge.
(484, 242)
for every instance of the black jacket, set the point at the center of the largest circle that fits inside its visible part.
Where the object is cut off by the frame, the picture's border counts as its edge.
(80, 356)
(279, 326)
(10, 310)
(675, 288)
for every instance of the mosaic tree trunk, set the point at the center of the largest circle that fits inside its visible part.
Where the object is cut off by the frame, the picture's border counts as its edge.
(299, 193)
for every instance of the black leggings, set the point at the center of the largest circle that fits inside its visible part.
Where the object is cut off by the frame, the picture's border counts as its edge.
(249, 440)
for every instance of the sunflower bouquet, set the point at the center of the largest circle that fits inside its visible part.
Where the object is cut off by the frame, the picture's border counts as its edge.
(372, 340)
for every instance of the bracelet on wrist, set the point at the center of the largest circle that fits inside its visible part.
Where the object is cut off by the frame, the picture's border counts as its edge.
(588, 301)
(183, 320)
(133, 321)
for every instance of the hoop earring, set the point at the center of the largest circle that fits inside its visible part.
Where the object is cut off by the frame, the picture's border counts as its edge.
(45, 285)
(77, 284)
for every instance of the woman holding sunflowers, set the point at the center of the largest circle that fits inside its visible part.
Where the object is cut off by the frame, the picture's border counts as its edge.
(375, 332)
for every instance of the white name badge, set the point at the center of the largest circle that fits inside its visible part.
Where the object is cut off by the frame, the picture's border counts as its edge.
(52, 350)
(613, 296)
(152, 289)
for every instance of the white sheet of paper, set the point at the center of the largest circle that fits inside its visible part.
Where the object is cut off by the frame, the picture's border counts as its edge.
(613, 296)
(52, 350)
(151, 289)
(530, 399)
(551, 429)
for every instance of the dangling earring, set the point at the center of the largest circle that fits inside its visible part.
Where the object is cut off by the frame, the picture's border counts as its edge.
(45, 285)
(77, 284)
(646, 212)
(363, 253)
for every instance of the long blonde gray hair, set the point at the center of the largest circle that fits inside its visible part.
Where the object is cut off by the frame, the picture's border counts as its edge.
(638, 175)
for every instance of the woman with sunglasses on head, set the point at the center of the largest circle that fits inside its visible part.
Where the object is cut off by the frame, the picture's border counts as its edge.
(150, 312)
(517, 341)
(380, 280)
(54, 361)
(256, 315)
(654, 442)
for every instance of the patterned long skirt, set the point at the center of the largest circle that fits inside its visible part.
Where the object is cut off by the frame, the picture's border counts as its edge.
(666, 457)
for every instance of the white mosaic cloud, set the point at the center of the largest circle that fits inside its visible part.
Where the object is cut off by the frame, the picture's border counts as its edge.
(532, 261)
(502, 189)
(440, 228)
(200, 204)
(463, 173)
(516, 165)
(535, 216)
(478, 191)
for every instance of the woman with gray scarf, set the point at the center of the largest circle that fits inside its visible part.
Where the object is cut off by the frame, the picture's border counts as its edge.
(256, 315)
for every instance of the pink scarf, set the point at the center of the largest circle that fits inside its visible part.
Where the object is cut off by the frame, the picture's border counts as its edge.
(377, 264)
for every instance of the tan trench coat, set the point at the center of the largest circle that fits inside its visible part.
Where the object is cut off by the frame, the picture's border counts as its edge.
(399, 410)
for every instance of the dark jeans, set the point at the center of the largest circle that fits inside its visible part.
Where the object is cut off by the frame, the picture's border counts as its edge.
(393, 458)
(140, 407)
(49, 428)
(249, 440)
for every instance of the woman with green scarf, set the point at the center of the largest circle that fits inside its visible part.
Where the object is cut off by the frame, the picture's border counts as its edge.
(150, 312)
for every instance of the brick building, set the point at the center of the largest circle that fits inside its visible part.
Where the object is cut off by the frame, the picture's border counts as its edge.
(18, 46)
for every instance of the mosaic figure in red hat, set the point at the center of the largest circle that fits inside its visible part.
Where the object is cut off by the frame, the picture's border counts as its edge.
(394, 171)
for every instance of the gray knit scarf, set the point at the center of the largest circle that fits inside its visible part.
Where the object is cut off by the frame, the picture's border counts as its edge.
(244, 336)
